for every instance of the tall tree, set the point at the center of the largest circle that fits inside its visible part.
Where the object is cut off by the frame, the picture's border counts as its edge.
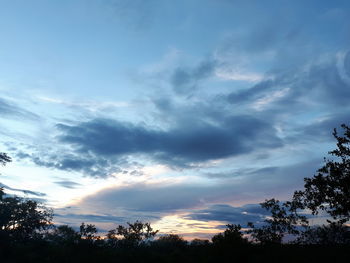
(284, 220)
(329, 189)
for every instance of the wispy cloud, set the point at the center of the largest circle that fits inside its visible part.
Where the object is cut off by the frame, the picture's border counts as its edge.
(24, 191)
(68, 184)
(12, 110)
(93, 106)
(239, 76)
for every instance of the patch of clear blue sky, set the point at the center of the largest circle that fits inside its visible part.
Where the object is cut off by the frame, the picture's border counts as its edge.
(84, 45)
(91, 44)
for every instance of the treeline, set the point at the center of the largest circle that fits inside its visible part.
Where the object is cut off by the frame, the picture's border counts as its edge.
(27, 233)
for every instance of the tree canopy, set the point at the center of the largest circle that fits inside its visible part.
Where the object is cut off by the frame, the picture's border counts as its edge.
(21, 219)
(329, 189)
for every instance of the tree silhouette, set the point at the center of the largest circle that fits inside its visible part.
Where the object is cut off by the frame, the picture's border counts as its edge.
(171, 241)
(284, 220)
(333, 233)
(231, 236)
(64, 235)
(329, 190)
(199, 242)
(22, 219)
(134, 234)
(88, 231)
(4, 158)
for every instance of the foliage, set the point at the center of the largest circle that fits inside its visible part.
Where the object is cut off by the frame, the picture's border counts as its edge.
(231, 236)
(112, 238)
(334, 233)
(4, 158)
(329, 190)
(171, 240)
(199, 242)
(22, 219)
(88, 231)
(283, 220)
(64, 235)
(134, 234)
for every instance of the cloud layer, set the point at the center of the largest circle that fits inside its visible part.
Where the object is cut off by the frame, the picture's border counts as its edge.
(181, 145)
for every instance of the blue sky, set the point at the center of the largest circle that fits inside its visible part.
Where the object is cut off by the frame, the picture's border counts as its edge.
(186, 114)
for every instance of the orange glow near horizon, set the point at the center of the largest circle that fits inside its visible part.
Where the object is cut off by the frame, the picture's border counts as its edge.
(187, 228)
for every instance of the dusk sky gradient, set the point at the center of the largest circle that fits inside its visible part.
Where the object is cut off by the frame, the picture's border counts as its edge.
(186, 114)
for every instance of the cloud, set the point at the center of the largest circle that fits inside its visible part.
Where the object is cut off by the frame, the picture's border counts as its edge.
(163, 198)
(230, 74)
(211, 201)
(68, 184)
(75, 216)
(146, 198)
(230, 214)
(85, 163)
(24, 191)
(184, 80)
(90, 218)
(92, 106)
(11, 110)
(245, 172)
(180, 146)
(316, 84)
(322, 128)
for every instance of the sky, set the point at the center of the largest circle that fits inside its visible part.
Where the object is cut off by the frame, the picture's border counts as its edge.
(186, 114)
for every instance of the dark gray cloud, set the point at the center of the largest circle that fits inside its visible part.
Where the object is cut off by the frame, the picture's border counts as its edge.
(182, 146)
(230, 214)
(240, 214)
(266, 183)
(86, 163)
(205, 202)
(149, 198)
(92, 218)
(247, 172)
(250, 94)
